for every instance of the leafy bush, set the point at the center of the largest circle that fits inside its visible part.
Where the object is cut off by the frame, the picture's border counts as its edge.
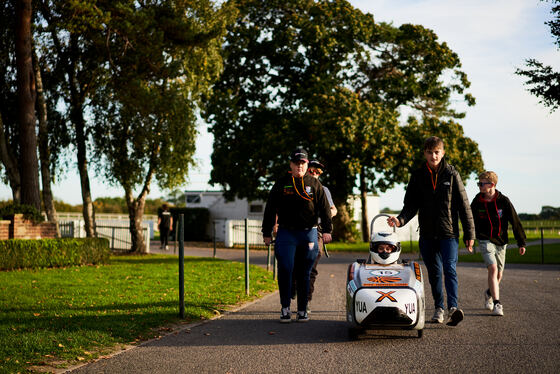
(29, 212)
(22, 253)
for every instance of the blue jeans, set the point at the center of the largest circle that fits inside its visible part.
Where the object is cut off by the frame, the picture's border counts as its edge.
(295, 246)
(438, 255)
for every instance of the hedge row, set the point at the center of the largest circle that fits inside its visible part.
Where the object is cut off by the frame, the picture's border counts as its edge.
(24, 253)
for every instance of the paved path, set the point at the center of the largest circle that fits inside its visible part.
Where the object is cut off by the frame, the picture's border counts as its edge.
(251, 340)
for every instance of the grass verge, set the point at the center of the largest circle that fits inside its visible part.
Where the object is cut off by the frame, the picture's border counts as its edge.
(58, 317)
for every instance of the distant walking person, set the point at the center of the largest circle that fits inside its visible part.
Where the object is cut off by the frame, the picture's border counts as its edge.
(165, 222)
(436, 192)
(492, 211)
(297, 201)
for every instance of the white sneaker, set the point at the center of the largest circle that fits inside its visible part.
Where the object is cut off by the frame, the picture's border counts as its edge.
(498, 310)
(488, 301)
(438, 315)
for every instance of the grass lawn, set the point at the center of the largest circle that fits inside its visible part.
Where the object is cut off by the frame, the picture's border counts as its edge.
(63, 316)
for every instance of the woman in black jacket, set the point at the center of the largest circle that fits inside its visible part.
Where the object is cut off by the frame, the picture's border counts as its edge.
(296, 202)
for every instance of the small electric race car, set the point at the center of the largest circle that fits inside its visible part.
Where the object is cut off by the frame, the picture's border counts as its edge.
(383, 293)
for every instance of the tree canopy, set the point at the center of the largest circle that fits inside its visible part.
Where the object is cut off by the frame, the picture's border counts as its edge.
(123, 81)
(542, 80)
(161, 58)
(325, 76)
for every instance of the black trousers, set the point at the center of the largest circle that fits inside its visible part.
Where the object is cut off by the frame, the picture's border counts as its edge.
(163, 235)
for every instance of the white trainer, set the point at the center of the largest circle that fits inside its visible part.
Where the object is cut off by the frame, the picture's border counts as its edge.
(498, 310)
(488, 301)
(438, 315)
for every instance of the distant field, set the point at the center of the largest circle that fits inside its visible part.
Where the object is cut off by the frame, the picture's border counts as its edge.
(550, 228)
(533, 255)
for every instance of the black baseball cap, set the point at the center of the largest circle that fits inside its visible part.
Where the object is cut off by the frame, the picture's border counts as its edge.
(316, 164)
(299, 154)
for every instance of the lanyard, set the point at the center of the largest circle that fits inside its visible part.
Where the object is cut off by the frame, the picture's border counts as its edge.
(308, 198)
(434, 183)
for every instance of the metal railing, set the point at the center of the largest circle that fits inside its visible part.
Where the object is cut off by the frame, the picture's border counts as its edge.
(66, 229)
(246, 232)
(118, 235)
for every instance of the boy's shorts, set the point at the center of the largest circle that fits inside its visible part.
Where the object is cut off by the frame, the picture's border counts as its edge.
(493, 254)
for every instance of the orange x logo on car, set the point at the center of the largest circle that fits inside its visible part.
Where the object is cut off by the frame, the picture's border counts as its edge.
(386, 295)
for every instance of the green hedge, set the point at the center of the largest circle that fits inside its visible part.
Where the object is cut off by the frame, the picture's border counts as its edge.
(7, 210)
(24, 253)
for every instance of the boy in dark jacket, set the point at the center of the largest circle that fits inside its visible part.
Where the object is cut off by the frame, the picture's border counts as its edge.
(492, 211)
(436, 192)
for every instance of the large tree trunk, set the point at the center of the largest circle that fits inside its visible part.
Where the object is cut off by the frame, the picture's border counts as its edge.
(363, 199)
(135, 214)
(342, 225)
(28, 165)
(10, 163)
(44, 151)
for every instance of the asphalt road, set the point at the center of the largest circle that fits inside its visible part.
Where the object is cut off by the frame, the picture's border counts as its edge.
(251, 340)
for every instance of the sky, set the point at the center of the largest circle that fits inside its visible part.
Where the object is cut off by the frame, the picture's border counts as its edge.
(519, 138)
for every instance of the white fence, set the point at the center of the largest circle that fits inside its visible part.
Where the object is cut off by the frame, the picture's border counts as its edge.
(235, 233)
(117, 231)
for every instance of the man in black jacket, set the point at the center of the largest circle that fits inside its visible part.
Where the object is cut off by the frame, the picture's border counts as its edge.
(297, 200)
(436, 193)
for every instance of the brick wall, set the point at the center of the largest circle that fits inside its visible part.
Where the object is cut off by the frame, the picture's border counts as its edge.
(5, 229)
(20, 228)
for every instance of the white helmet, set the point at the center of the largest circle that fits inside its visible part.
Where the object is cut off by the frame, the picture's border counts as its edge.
(385, 238)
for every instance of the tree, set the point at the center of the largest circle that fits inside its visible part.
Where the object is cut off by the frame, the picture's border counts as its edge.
(323, 75)
(161, 58)
(44, 149)
(76, 71)
(9, 129)
(543, 81)
(282, 59)
(26, 94)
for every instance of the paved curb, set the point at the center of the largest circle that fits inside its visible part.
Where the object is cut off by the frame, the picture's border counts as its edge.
(175, 329)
